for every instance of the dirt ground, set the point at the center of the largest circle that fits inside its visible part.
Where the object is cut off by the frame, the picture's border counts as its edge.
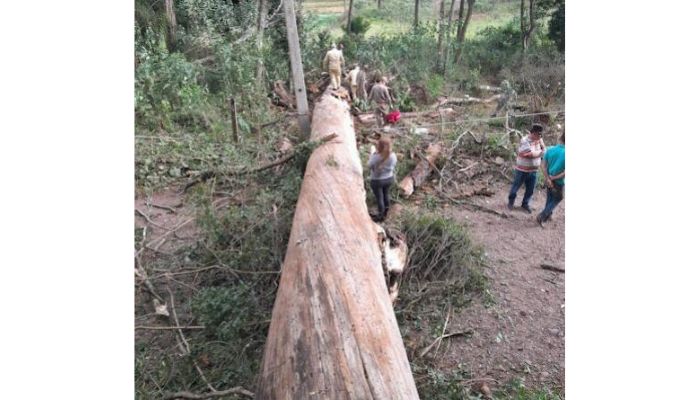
(518, 331)
(520, 335)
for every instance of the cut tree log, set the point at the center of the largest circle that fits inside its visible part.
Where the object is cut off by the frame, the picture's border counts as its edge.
(333, 332)
(416, 178)
(284, 97)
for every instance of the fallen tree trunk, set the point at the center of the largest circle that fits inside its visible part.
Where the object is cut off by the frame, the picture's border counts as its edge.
(333, 333)
(422, 170)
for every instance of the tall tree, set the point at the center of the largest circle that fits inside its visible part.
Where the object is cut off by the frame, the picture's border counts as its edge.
(171, 35)
(415, 15)
(297, 68)
(262, 14)
(441, 36)
(448, 35)
(349, 17)
(556, 26)
(527, 25)
(462, 31)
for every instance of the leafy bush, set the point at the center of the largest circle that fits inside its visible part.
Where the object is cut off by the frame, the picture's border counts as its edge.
(440, 250)
(359, 25)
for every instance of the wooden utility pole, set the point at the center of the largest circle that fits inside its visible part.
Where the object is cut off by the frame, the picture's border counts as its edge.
(333, 333)
(297, 68)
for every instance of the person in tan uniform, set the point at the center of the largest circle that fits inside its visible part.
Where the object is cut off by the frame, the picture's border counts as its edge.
(357, 83)
(381, 98)
(334, 62)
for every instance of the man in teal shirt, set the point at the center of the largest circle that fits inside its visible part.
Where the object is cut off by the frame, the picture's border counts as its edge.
(553, 171)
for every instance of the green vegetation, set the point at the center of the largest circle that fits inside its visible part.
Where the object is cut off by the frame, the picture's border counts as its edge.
(224, 280)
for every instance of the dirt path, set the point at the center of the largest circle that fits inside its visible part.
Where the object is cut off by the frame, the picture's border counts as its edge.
(521, 335)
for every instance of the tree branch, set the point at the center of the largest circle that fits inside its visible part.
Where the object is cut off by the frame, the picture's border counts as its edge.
(219, 393)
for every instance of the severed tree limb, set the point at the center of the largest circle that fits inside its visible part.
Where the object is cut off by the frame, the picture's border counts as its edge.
(185, 345)
(474, 205)
(219, 393)
(210, 174)
(149, 220)
(167, 328)
(172, 210)
(551, 267)
(439, 339)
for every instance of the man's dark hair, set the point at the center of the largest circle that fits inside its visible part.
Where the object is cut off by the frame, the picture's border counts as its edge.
(537, 128)
(562, 137)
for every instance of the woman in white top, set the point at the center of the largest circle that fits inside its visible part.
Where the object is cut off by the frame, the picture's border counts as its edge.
(381, 167)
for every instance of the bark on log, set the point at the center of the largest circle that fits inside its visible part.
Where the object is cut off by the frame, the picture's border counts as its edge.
(284, 97)
(422, 170)
(333, 333)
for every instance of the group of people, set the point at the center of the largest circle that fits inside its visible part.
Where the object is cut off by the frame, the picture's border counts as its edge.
(533, 156)
(379, 94)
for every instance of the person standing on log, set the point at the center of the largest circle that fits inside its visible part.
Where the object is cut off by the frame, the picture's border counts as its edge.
(382, 100)
(334, 62)
(381, 167)
(553, 171)
(528, 161)
(357, 83)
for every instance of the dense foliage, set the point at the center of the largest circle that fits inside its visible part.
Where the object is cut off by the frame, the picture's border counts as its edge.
(182, 88)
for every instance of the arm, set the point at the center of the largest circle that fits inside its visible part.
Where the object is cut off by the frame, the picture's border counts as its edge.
(373, 160)
(525, 151)
(325, 61)
(557, 176)
(545, 173)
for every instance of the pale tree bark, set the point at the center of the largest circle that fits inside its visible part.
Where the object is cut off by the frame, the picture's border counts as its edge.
(262, 14)
(333, 333)
(462, 31)
(171, 35)
(415, 14)
(527, 27)
(297, 68)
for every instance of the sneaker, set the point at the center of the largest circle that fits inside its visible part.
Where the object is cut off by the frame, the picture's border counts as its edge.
(540, 220)
(527, 208)
(510, 206)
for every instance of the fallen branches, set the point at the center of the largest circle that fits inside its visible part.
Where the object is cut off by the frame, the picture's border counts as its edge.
(167, 328)
(209, 174)
(475, 206)
(551, 267)
(440, 338)
(422, 170)
(219, 393)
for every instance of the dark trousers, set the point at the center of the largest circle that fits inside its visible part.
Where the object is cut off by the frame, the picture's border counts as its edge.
(554, 196)
(529, 179)
(380, 188)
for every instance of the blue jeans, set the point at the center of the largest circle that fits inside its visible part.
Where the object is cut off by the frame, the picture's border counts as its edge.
(380, 187)
(554, 197)
(529, 179)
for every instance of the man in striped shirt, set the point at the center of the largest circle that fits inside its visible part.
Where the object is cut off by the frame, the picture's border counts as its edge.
(530, 153)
